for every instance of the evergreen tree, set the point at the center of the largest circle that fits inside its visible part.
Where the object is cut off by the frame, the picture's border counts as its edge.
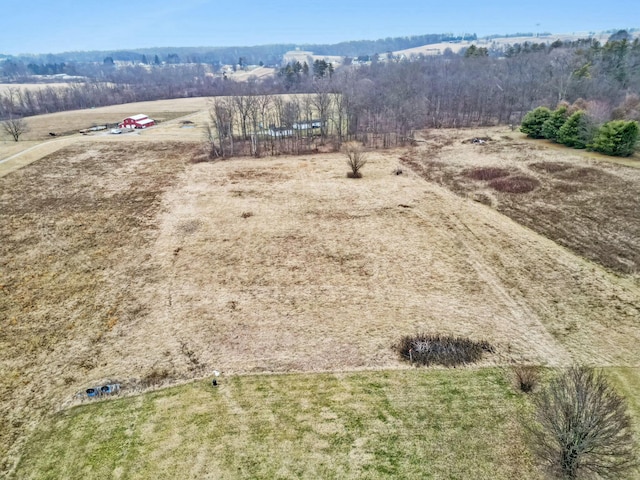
(551, 127)
(618, 138)
(474, 51)
(319, 68)
(574, 132)
(534, 120)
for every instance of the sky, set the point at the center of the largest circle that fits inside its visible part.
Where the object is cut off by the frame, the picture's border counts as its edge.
(54, 26)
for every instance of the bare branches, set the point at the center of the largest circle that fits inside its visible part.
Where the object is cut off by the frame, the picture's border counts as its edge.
(356, 158)
(15, 127)
(583, 427)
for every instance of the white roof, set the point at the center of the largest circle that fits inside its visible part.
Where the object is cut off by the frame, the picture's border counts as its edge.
(145, 121)
(138, 117)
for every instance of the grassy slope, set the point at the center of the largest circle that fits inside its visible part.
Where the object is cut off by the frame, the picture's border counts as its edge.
(402, 424)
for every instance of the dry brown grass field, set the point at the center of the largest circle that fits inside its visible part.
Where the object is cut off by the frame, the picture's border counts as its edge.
(123, 260)
(4, 87)
(69, 123)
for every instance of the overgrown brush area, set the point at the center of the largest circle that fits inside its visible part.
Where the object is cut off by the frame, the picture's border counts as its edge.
(578, 199)
(428, 349)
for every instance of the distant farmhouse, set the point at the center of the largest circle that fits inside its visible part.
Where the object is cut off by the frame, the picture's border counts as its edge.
(137, 121)
(279, 132)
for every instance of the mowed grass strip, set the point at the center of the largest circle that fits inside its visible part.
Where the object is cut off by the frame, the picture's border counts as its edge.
(386, 424)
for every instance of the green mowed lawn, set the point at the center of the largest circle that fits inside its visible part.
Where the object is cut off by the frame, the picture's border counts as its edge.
(457, 423)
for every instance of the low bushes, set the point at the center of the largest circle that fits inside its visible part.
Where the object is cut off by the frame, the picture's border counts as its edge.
(515, 184)
(487, 173)
(426, 349)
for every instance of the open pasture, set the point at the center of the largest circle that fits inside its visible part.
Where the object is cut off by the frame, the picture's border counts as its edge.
(6, 87)
(70, 122)
(125, 261)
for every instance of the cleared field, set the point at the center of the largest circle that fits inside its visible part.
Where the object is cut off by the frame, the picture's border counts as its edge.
(258, 72)
(68, 123)
(122, 260)
(369, 425)
(9, 148)
(309, 57)
(4, 87)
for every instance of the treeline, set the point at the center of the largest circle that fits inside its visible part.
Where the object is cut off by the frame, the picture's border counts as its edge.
(371, 47)
(262, 124)
(253, 55)
(268, 54)
(116, 86)
(397, 95)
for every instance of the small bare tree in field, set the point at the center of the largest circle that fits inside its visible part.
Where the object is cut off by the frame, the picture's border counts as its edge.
(583, 428)
(356, 158)
(15, 127)
(526, 377)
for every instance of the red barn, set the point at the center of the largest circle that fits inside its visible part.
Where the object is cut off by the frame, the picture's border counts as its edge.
(137, 121)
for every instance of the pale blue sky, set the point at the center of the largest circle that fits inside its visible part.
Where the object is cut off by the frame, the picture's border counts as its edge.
(52, 26)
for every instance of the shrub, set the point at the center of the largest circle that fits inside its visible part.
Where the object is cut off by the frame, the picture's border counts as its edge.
(575, 131)
(449, 351)
(533, 121)
(515, 184)
(526, 377)
(356, 158)
(583, 427)
(617, 138)
(552, 125)
(487, 173)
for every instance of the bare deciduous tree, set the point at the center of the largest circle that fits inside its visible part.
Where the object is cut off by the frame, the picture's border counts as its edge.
(15, 127)
(583, 427)
(222, 118)
(322, 100)
(356, 158)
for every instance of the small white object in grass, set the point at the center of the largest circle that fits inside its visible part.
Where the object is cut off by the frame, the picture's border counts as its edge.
(216, 373)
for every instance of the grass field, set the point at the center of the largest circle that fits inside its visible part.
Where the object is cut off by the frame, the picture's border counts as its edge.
(399, 424)
(122, 260)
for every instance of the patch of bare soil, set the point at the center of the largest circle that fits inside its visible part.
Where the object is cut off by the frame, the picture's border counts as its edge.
(587, 206)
